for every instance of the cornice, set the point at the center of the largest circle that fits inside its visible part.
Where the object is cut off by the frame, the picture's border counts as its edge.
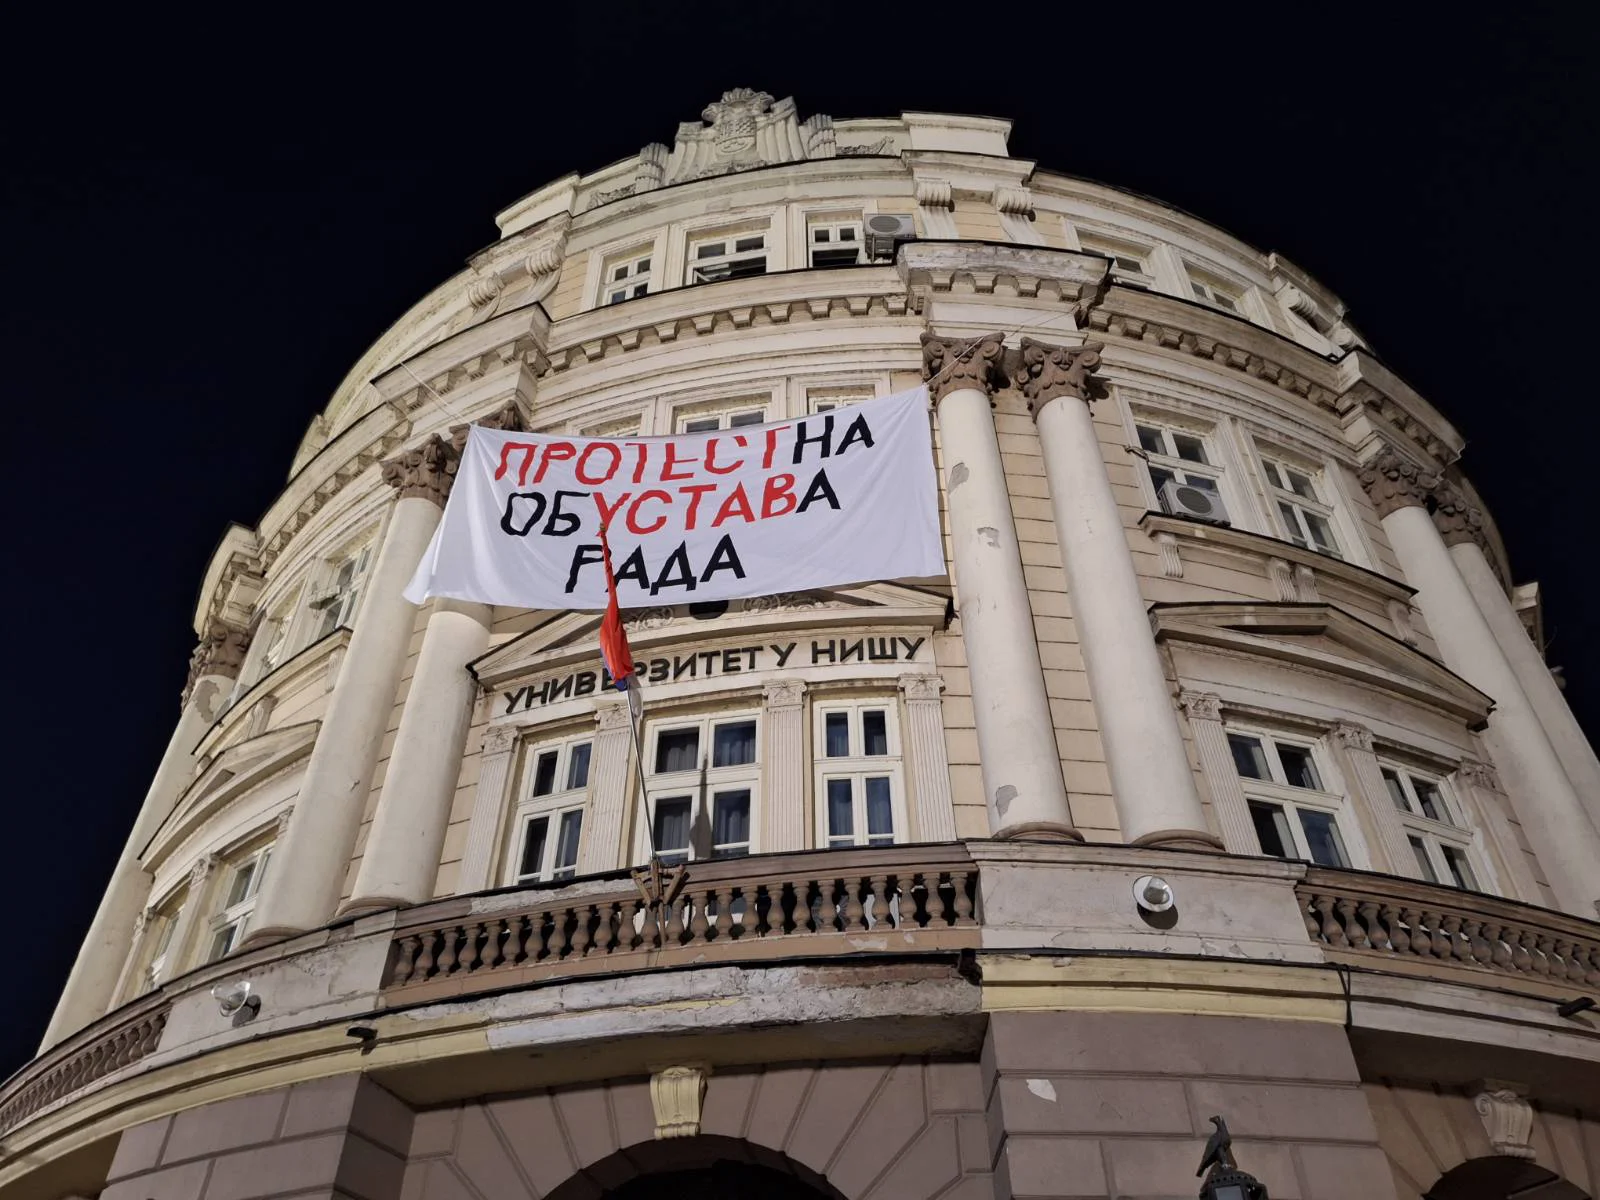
(1002, 270)
(512, 337)
(1364, 382)
(237, 556)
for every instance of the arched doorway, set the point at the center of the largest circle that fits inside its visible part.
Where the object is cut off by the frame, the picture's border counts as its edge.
(1497, 1177)
(701, 1168)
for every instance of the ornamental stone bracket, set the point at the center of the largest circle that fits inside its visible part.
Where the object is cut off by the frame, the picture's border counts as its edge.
(520, 270)
(426, 471)
(1507, 1118)
(676, 1094)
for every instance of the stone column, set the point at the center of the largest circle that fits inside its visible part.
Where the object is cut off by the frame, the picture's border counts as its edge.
(604, 845)
(1352, 746)
(1228, 802)
(191, 916)
(787, 761)
(489, 805)
(303, 889)
(92, 983)
(130, 965)
(1548, 806)
(1021, 764)
(1154, 788)
(925, 756)
(1461, 525)
(401, 859)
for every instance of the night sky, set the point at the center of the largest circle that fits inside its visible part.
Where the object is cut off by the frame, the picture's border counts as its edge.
(200, 240)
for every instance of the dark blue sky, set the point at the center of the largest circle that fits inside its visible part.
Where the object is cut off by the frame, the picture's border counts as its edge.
(204, 229)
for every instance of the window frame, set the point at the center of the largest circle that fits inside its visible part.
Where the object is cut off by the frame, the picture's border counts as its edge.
(1214, 469)
(857, 766)
(1206, 289)
(702, 784)
(694, 263)
(160, 950)
(1278, 791)
(553, 806)
(833, 223)
(1142, 274)
(723, 412)
(1275, 466)
(627, 260)
(233, 918)
(1455, 830)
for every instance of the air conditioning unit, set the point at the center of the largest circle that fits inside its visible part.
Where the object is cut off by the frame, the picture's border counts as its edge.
(1186, 500)
(885, 231)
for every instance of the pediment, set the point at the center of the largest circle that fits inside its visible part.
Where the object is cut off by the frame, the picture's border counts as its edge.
(572, 636)
(1322, 637)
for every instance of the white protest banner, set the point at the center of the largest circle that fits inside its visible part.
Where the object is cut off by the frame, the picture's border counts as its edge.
(841, 497)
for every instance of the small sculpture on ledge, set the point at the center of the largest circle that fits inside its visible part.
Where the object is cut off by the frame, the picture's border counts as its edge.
(1225, 1181)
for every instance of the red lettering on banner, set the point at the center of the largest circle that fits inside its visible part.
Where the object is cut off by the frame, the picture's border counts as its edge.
(673, 461)
(780, 490)
(583, 460)
(529, 453)
(694, 491)
(554, 452)
(633, 512)
(772, 446)
(607, 511)
(644, 455)
(711, 453)
(736, 505)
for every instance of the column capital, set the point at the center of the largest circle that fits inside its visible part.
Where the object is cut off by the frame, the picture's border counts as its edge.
(201, 871)
(1201, 706)
(953, 364)
(784, 693)
(427, 470)
(1393, 482)
(1478, 774)
(1352, 736)
(507, 417)
(1456, 518)
(221, 652)
(498, 739)
(281, 825)
(922, 687)
(612, 716)
(1043, 372)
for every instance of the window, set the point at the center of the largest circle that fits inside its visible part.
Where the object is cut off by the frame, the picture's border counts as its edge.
(232, 918)
(826, 399)
(1214, 294)
(1307, 519)
(703, 781)
(1292, 814)
(625, 278)
(333, 603)
(728, 257)
(161, 948)
(735, 417)
(859, 796)
(835, 243)
(1176, 455)
(1440, 843)
(1129, 264)
(549, 820)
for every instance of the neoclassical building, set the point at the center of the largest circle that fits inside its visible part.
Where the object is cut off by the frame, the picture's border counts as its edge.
(1221, 774)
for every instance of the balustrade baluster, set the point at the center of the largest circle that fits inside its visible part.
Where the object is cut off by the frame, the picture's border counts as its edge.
(1499, 952)
(560, 935)
(1441, 940)
(1478, 948)
(1376, 938)
(675, 918)
(516, 935)
(1421, 940)
(493, 932)
(1521, 956)
(878, 893)
(1541, 959)
(1331, 932)
(634, 928)
(448, 956)
(1592, 978)
(746, 926)
(853, 913)
(698, 921)
(724, 925)
(1308, 912)
(1399, 939)
(966, 897)
(469, 946)
(407, 958)
(1457, 948)
(1353, 932)
(427, 962)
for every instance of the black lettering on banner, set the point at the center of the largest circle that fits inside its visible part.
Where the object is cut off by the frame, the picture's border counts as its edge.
(658, 670)
(819, 649)
(683, 666)
(820, 489)
(783, 652)
(851, 651)
(633, 568)
(678, 559)
(882, 649)
(558, 689)
(731, 660)
(571, 520)
(858, 432)
(911, 647)
(585, 684)
(583, 556)
(724, 558)
(801, 441)
(508, 518)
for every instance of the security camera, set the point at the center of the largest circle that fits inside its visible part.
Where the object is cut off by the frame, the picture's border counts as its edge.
(236, 1000)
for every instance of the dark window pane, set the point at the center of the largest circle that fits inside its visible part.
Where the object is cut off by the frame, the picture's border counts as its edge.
(1226, 302)
(677, 750)
(1273, 477)
(819, 235)
(620, 273)
(533, 847)
(1424, 863)
(874, 732)
(672, 825)
(702, 425)
(640, 289)
(1159, 476)
(880, 812)
(836, 735)
(578, 767)
(1300, 484)
(1189, 447)
(1432, 802)
(709, 250)
(1321, 533)
(733, 744)
(1298, 769)
(567, 844)
(1291, 523)
(1248, 757)
(617, 297)
(1322, 838)
(642, 267)
(841, 814)
(1396, 792)
(740, 268)
(730, 823)
(1200, 482)
(1460, 868)
(739, 420)
(1270, 829)
(544, 773)
(1198, 290)
(749, 243)
(241, 884)
(1150, 440)
(221, 943)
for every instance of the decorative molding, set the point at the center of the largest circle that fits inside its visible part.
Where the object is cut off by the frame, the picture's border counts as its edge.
(507, 417)
(221, 652)
(282, 823)
(1013, 201)
(1305, 581)
(201, 871)
(1400, 614)
(1043, 372)
(1478, 774)
(924, 688)
(743, 130)
(1201, 706)
(935, 193)
(953, 364)
(676, 1094)
(1393, 482)
(498, 739)
(787, 602)
(426, 471)
(883, 146)
(648, 618)
(1457, 519)
(612, 716)
(784, 693)
(1507, 1119)
(1352, 736)
(1171, 560)
(1282, 577)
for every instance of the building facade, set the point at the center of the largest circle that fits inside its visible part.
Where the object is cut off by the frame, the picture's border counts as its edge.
(1221, 775)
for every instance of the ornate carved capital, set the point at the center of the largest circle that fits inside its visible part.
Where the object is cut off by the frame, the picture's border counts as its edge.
(220, 652)
(951, 364)
(613, 716)
(498, 739)
(784, 693)
(676, 1094)
(924, 688)
(1478, 774)
(427, 470)
(282, 823)
(1457, 518)
(1352, 736)
(1507, 1119)
(201, 871)
(1394, 482)
(1043, 372)
(1201, 706)
(508, 417)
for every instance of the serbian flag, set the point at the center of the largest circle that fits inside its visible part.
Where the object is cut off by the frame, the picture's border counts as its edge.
(613, 638)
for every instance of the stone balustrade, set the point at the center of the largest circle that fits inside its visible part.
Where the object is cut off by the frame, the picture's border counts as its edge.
(891, 900)
(1382, 921)
(103, 1048)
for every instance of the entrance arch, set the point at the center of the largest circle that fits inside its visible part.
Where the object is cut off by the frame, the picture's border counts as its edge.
(704, 1167)
(1497, 1177)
